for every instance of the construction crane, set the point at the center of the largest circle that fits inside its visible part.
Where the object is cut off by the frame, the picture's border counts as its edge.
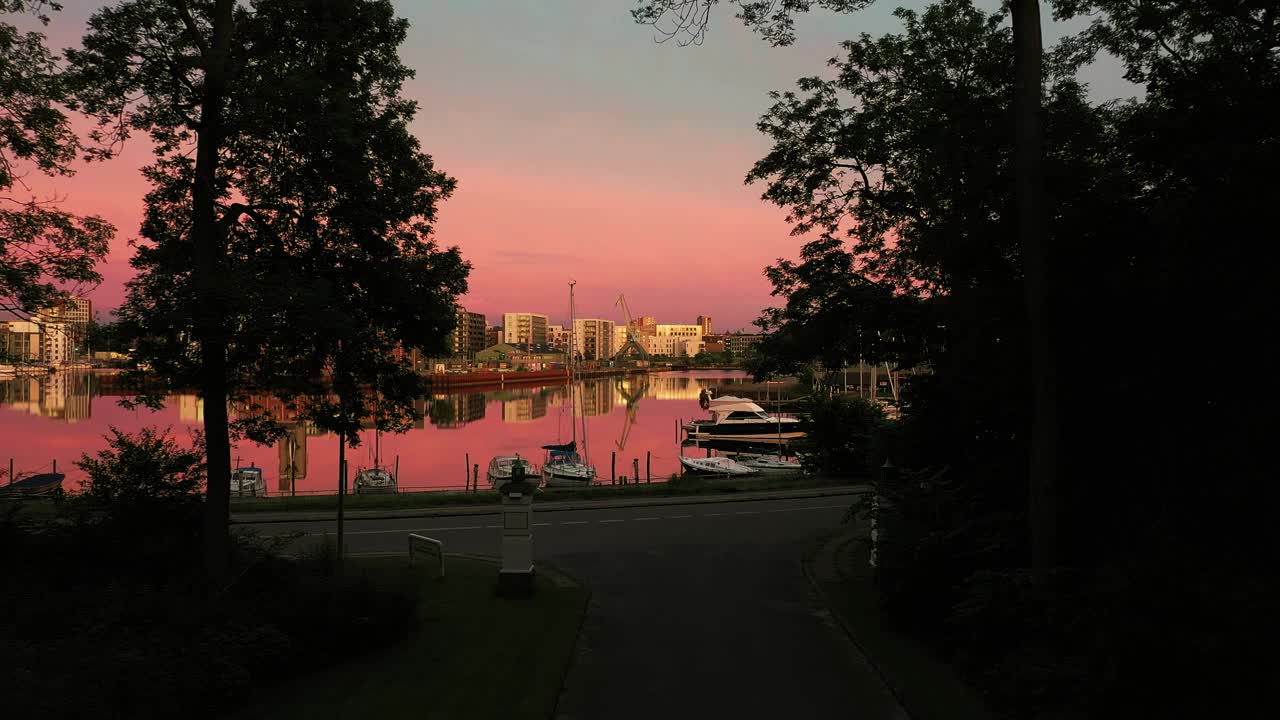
(632, 332)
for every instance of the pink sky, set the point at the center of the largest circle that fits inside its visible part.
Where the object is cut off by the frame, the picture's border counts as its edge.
(582, 149)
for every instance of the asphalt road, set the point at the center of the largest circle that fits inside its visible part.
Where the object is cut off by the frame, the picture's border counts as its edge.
(697, 611)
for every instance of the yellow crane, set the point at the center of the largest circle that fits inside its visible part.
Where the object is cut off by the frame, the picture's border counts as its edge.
(631, 348)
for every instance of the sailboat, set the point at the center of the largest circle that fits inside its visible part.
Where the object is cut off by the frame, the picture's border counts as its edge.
(564, 466)
(375, 479)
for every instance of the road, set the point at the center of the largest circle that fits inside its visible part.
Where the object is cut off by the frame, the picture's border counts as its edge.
(697, 611)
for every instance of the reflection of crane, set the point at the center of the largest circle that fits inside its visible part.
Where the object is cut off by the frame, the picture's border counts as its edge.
(632, 398)
(631, 347)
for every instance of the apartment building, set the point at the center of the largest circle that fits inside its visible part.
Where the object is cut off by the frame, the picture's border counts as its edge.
(593, 338)
(524, 329)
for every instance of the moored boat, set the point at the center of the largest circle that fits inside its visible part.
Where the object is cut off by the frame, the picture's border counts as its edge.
(715, 466)
(248, 481)
(503, 469)
(41, 484)
(374, 480)
(767, 463)
(744, 420)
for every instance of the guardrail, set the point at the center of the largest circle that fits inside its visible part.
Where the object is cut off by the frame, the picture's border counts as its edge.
(421, 544)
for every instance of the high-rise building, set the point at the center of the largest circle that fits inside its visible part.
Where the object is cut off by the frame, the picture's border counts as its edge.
(524, 329)
(593, 338)
(705, 322)
(493, 336)
(57, 343)
(469, 335)
(74, 314)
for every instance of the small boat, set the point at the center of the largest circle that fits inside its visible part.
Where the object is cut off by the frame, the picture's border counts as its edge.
(766, 463)
(715, 466)
(374, 480)
(41, 484)
(248, 481)
(503, 468)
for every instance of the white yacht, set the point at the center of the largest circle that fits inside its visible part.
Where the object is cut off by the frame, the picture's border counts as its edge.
(374, 480)
(745, 421)
(503, 467)
(766, 463)
(248, 481)
(715, 466)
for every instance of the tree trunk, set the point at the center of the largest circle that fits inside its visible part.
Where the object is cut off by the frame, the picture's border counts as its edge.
(208, 279)
(1028, 194)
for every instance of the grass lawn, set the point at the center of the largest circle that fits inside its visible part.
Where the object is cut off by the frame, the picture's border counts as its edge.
(472, 655)
(411, 500)
(928, 688)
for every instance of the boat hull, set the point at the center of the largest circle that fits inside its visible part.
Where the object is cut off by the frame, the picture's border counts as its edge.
(717, 467)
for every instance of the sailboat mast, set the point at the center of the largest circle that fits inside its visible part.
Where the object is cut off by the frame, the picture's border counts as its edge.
(572, 363)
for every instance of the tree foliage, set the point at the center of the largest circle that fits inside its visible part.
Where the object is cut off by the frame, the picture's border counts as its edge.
(900, 163)
(44, 250)
(144, 470)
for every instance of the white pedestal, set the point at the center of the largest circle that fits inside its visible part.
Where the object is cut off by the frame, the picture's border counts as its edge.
(516, 575)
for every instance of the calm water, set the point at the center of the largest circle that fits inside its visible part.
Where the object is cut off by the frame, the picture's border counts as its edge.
(63, 415)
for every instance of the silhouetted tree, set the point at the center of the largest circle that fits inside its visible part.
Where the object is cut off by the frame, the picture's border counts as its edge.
(293, 254)
(686, 21)
(43, 249)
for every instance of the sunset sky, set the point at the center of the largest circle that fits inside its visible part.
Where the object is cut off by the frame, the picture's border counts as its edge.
(582, 149)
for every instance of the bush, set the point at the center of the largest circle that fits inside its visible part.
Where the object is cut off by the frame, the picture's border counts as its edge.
(144, 469)
(844, 436)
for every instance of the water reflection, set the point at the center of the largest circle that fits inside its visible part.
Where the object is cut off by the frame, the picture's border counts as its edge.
(635, 415)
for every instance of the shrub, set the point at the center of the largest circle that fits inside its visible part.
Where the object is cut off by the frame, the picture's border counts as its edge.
(843, 436)
(145, 468)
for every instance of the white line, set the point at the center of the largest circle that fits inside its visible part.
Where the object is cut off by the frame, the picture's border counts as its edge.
(539, 525)
(815, 507)
(406, 531)
(646, 518)
(575, 522)
(715, 514)
(493, 526)
(610, 521)
(747, 512)
(678, 517)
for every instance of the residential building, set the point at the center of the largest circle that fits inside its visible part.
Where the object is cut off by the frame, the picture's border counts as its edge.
(645, 324)
(75, 313)
(524, 329)
(738, 343)
(705, 322)
(20, 342)
(468, 336)
(493, 336)
(593, 338)
(558, 337)
(619, 337)
(57, 343)
(672, 345)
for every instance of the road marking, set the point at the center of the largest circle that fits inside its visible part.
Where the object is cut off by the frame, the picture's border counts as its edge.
(716, 514)
(406, 531)
(538, 525)
(575, 522)
(493, 526)
(646, 518)
(679, 517)
(610, 521)
(815, 507)
(747, 512)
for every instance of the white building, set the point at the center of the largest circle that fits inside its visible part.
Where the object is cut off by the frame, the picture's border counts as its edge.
(674, 340)
(523, 329)
(593, 338)
(57, 343)
(20, 342)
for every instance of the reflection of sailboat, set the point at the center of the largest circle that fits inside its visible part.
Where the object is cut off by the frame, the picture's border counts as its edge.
(375, 479)
(564, 467)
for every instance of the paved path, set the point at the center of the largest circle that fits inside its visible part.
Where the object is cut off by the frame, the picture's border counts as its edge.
(697, 611)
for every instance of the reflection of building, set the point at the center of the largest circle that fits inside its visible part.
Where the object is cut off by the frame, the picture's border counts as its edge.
(524, 409)
(61, 396)
(597, 396)
(524, 329)
(190, 409)
(292, 451)
(593, 338)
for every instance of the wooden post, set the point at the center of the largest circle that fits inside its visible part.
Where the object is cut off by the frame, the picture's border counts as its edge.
(10, 471)
(613, 468)
(55, 466)
(635, 469)
(475, 480)
(397, 475)
(342, 488)
(466, 474)
(648, 466)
